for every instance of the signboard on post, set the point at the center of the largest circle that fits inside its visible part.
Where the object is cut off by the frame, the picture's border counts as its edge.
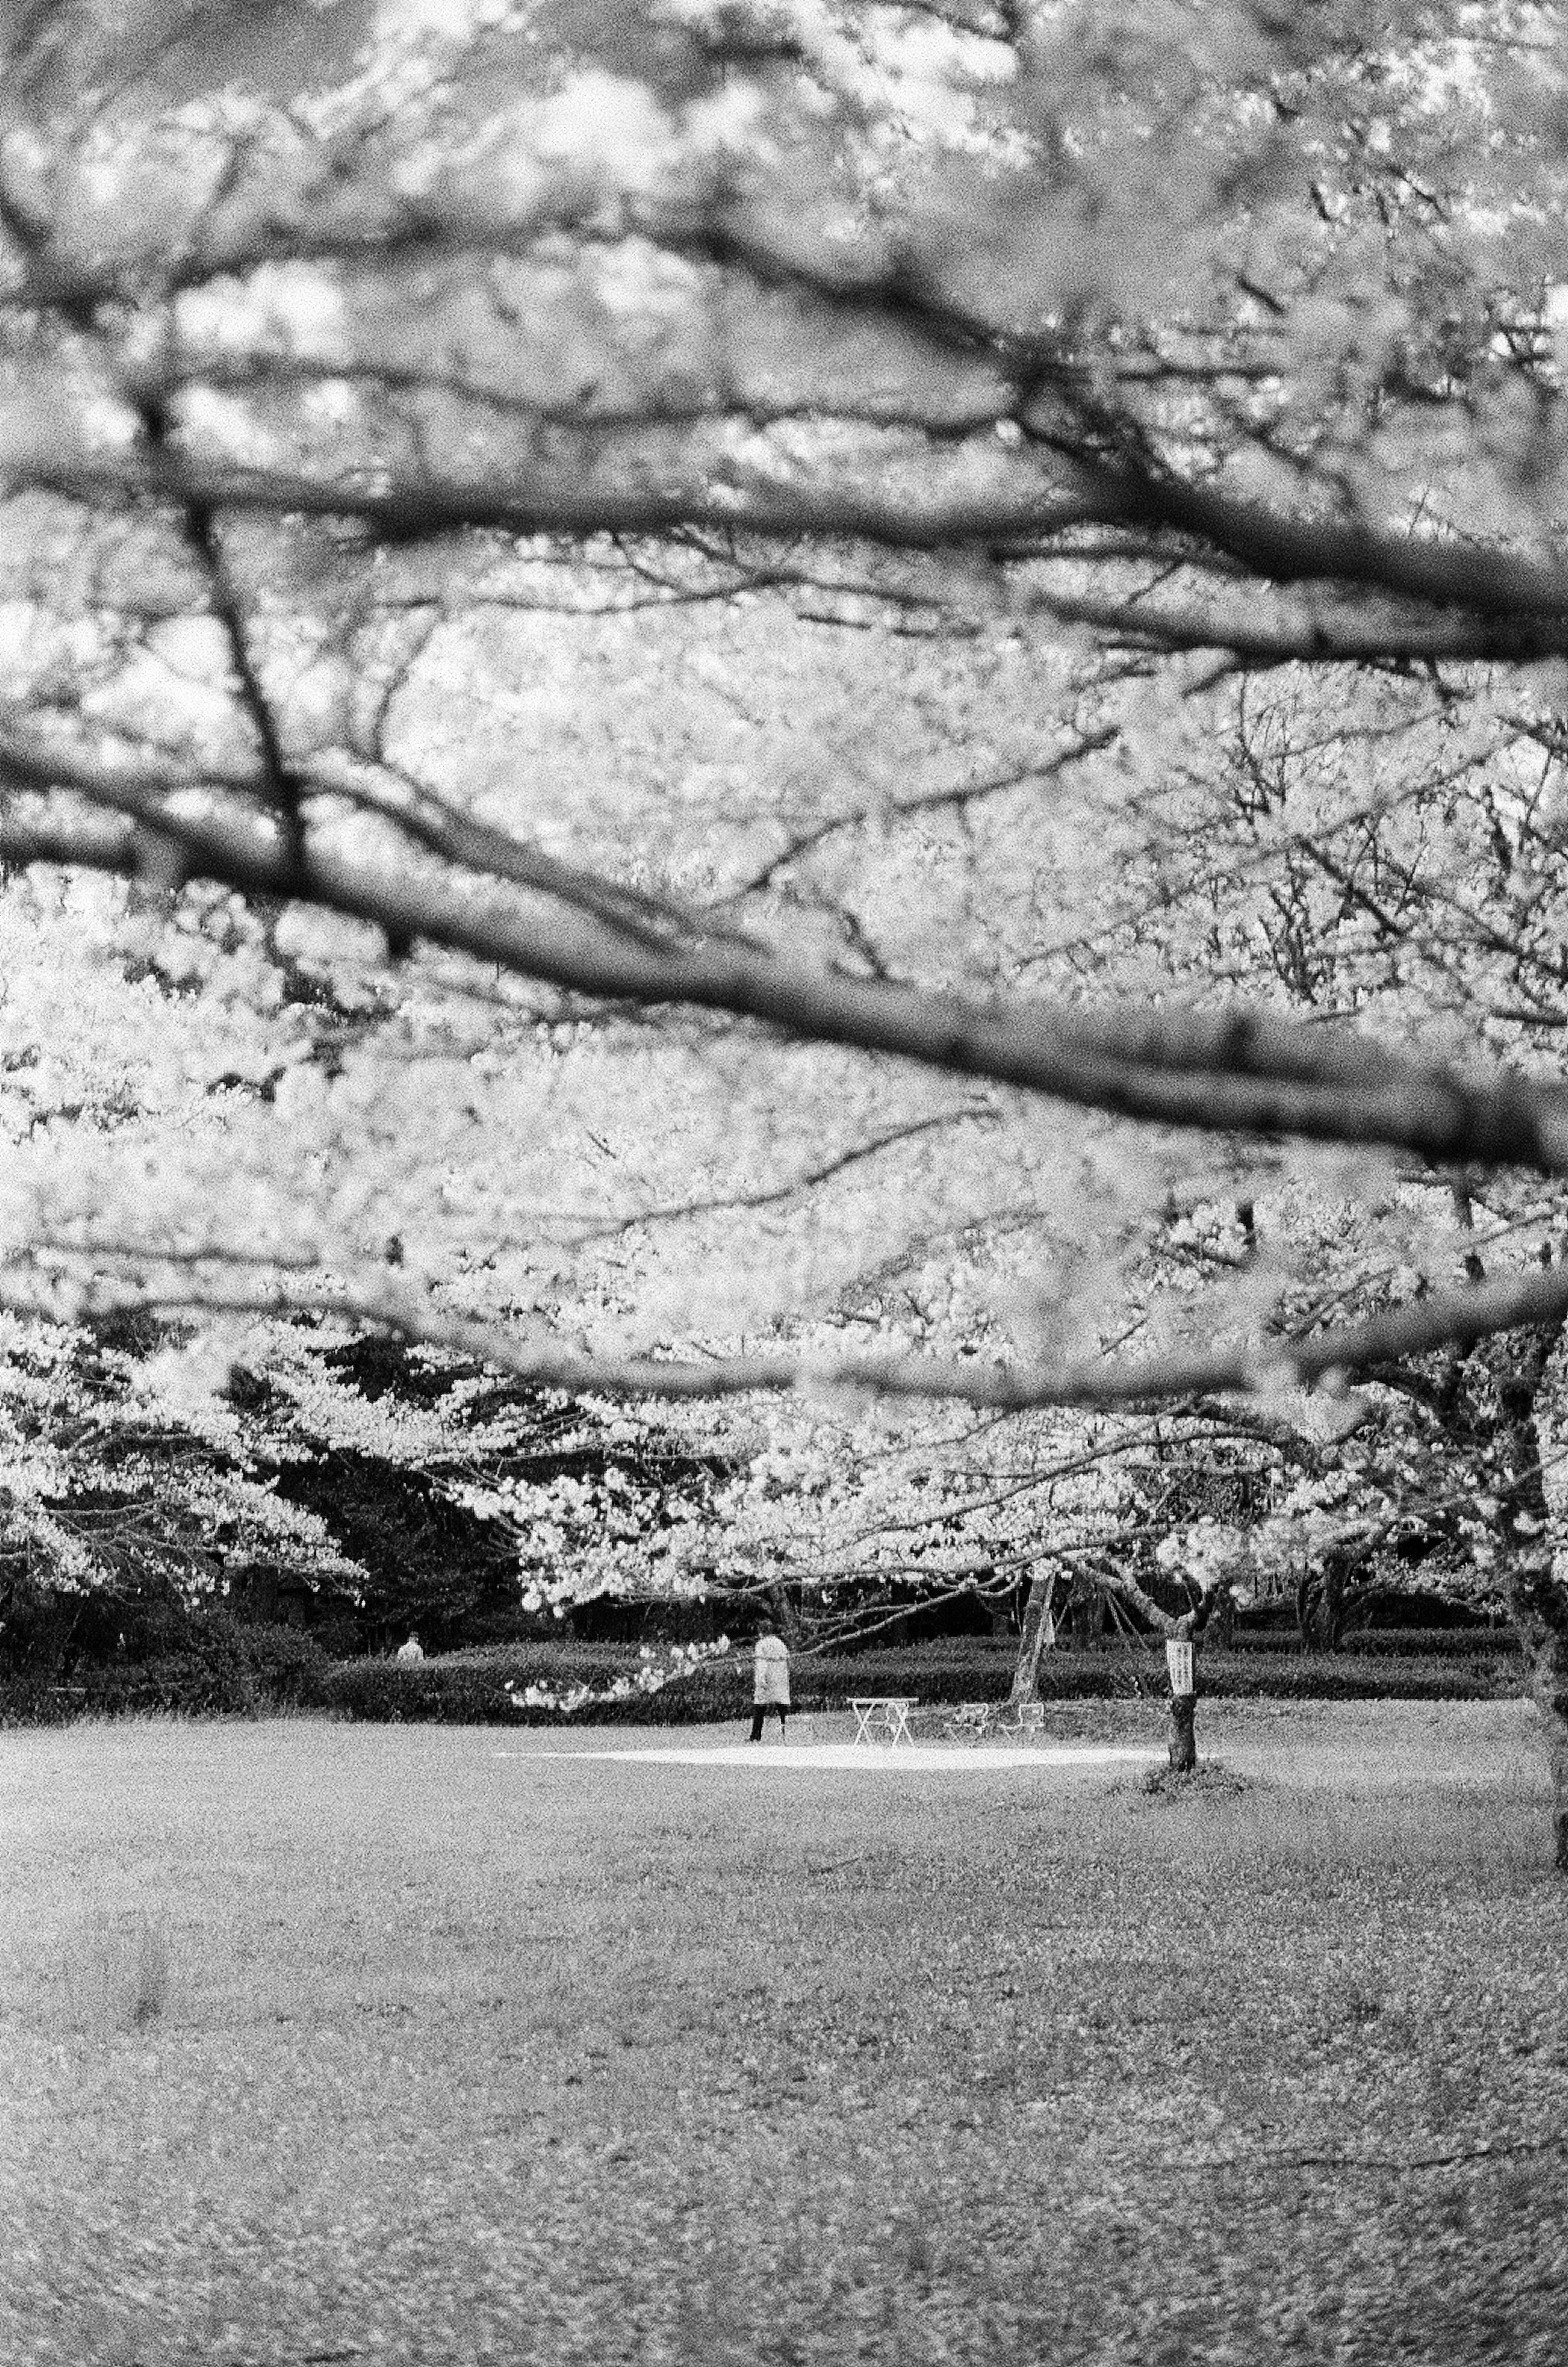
(1178, 1661)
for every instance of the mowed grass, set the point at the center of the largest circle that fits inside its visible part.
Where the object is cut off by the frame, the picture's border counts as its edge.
(331, 2043)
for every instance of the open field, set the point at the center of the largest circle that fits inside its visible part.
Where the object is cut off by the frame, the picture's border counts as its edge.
(341, 2042)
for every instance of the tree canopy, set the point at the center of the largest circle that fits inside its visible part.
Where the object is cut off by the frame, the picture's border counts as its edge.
(780, 698)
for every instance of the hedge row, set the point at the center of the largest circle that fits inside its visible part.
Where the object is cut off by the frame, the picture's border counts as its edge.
(1393, 1643)
(252, 1671)
(470, 1689)
(248, 1672)
(1344, 1676)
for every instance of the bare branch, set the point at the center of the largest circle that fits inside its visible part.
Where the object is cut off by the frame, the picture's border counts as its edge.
(956, 799)
(772, 1195)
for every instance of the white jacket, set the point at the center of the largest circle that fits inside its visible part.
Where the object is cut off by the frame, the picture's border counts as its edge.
(770, 1673)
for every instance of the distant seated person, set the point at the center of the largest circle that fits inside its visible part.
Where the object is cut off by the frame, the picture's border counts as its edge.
(412, 1651)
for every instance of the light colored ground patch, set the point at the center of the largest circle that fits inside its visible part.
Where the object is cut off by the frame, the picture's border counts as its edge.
(868, 1759)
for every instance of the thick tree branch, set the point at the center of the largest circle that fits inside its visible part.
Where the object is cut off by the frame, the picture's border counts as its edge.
(1229, 1071)
(431, 507)
(372, 1301)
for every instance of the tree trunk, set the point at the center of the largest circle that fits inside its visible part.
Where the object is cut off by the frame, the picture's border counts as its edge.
(1182, 1747)
(1534, 1397)
(1549, 1691)
(782, 1603)
(1321, 1605)
(1039, 1634)
(1085, 1607)
(1540, 1597)
(1183, 1744)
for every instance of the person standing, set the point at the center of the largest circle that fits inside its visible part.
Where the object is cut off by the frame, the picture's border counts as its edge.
(770, 1682)
(412, 1651)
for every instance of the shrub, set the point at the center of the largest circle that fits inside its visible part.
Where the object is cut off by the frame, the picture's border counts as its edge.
(949, 1671)
(1392, 1643)
(470, 1688)
(288, 1667)
(1353, 1676)
(219, 1668)
(247, 1669)
(1067, 1675)
(194, 1685)
(35, 1701)
(1436, 1643)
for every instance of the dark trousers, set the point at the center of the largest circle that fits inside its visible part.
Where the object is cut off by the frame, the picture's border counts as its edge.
(759, 1710)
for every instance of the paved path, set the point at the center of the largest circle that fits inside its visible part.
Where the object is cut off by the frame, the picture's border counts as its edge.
(873, 1760)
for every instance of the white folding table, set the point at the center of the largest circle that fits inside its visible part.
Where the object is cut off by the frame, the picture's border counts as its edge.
(884, 1716)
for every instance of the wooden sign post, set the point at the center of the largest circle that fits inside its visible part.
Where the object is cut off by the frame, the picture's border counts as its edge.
(1180, 1659)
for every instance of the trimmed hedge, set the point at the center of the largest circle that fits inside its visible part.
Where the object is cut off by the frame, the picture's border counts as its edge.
(234, 1671)
(470, 1688)
(187, 1684)
(1345, 1676)
(1392, 1643)
(936, 1674)
(250, 1671)
(288, 1667)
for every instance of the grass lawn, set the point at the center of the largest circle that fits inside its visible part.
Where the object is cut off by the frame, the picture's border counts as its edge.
(335, 2042)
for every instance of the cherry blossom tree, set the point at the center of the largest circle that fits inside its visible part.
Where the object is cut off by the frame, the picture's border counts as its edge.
(1140, 406)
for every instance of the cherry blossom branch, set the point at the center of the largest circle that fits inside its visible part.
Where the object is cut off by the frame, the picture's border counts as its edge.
(440, 828)
(1233, 1070)
(955, 798)
(431, 507)
(373, 1301)
(825, 1171)
(1316, 631)
(1444, 600)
